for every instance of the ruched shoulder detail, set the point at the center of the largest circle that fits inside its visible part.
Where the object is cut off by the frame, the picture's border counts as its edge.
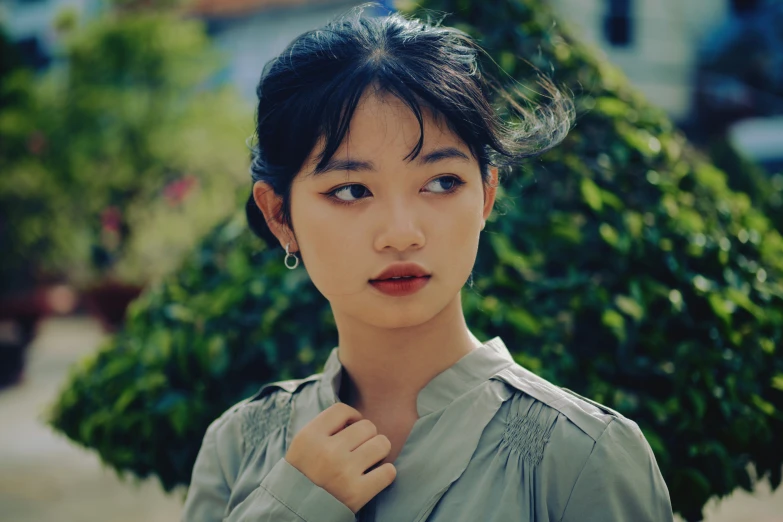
(589, 416)
(259, 418)
(576, 459)
(525, 434)
(546, 435)
(249, 423)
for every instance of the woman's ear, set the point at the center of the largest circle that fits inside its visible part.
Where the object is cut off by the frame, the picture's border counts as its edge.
(490, 190)
(270, 204)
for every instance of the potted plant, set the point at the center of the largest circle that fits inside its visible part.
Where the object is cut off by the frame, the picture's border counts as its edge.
(93, 155)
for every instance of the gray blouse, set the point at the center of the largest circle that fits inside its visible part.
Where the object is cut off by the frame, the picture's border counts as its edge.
(493, 442)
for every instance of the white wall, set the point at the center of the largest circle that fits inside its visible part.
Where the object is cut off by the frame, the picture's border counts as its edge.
(666, 35)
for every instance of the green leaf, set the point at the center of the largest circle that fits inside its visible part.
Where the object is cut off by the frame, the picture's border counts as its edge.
(592, 194)
(767, 407)
(609, 234)
(523, 321)
(615, 322)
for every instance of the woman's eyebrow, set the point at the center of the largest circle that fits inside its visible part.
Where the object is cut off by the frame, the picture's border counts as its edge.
(441, 154)
(434, 156)
(343, 164)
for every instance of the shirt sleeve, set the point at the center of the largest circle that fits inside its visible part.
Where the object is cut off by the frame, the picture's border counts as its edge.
(287, 495)
(620, 481)
(209, 491)
(284, 495)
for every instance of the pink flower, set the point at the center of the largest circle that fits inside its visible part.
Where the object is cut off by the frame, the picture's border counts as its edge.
(176, 191)
(111, 218)
(36, 143)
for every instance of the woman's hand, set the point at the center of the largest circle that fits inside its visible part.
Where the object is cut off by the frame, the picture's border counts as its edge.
(334, 451)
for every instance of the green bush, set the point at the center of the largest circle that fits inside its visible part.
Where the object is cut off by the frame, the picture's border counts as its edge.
(619, 265)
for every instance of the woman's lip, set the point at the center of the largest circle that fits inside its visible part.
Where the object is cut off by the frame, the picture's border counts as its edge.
(402, 270)
(400, 287)
(397, 278)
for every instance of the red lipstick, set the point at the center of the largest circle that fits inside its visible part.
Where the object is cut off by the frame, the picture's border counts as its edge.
(401, 279)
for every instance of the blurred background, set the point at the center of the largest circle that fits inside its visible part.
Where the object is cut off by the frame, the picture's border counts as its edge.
(123, 128)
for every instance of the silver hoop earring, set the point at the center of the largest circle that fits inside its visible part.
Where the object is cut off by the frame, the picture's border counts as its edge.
(287, 255)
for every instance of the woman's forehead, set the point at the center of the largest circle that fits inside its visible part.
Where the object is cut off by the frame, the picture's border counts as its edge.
(383, 125)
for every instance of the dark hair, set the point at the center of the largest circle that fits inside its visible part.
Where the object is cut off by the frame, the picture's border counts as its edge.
(312, 88)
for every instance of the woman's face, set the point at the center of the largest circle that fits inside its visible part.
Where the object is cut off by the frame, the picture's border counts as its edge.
(354, 220)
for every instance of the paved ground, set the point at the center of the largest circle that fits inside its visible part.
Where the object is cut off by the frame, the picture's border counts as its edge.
(43, 476)
(46, 478)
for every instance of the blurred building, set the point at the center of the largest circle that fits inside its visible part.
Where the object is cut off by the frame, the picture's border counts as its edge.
(655, 42)
(30, 24)
(716, 66)
(740, 71)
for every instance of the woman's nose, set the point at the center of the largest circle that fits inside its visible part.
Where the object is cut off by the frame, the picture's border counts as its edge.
(399, 227)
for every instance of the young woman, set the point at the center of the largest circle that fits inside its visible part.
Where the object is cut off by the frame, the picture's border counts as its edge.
(377, 163)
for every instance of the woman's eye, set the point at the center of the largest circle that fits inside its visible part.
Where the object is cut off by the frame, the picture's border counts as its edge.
(451, 183)
(353, 190)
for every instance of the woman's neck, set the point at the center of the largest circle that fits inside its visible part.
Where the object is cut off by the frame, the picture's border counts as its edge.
(386, 368)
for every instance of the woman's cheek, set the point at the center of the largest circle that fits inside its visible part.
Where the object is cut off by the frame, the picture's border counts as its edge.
(334, 260)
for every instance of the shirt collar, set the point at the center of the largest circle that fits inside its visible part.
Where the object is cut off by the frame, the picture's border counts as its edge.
(477, 366)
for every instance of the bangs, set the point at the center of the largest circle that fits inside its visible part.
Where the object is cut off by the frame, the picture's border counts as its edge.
(336, 119)
(326, 116)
